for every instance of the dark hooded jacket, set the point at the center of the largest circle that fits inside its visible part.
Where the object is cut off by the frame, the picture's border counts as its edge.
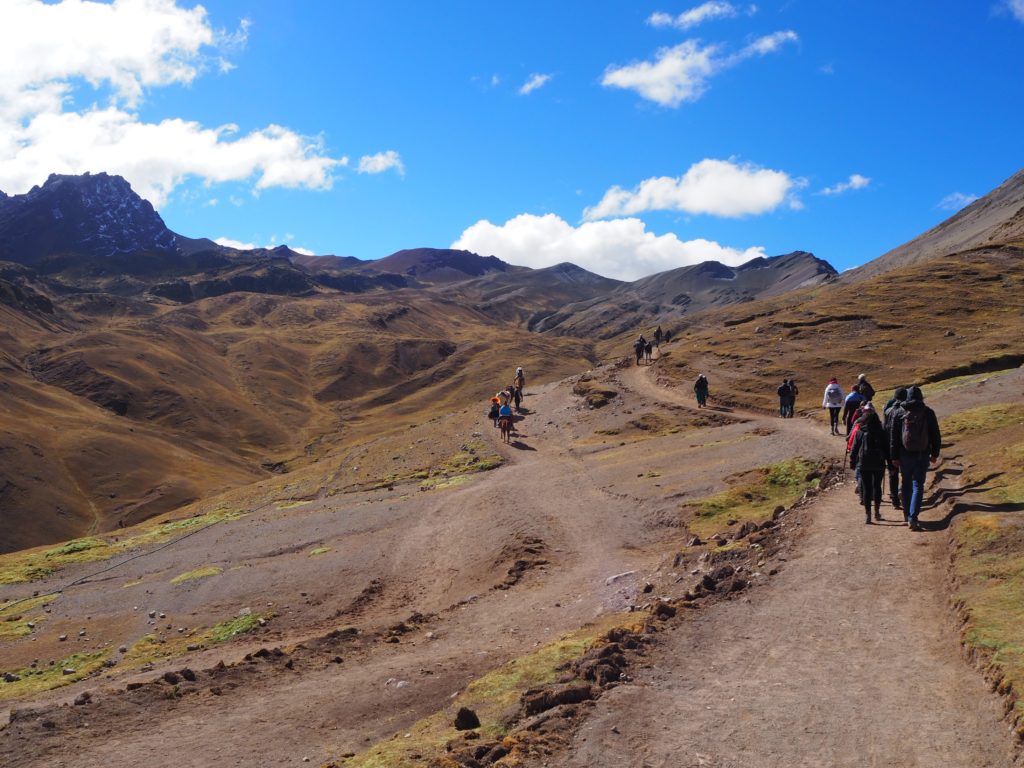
(870, 449)
(915, 401)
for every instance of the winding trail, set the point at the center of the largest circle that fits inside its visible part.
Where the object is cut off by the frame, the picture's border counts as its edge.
(849, 657)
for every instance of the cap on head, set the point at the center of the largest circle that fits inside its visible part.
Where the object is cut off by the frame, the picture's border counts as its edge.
(861, 377)
(833, 380)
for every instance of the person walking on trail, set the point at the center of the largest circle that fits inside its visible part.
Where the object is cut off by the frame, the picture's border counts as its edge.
(648, 352)
(638, 346)
(520, 381)
(517, 395)
(853, 401)
(869, 455)
(785, 398)
(865, 388)
(793, 392)
(914, 441)
(833, 400)
(700, 389)
(657, 337)
(492, 414)
(896, 401)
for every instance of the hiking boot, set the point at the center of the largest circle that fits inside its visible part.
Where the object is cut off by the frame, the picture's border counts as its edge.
(914, 526)
(878, 515)
(867, 519)
(896, 504)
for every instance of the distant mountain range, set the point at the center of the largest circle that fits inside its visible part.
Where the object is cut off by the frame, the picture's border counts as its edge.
(92, 233)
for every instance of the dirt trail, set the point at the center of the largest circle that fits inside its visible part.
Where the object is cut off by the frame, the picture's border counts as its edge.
(849, 657)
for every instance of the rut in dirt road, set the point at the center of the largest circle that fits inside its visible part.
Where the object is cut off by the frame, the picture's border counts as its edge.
(848, 657)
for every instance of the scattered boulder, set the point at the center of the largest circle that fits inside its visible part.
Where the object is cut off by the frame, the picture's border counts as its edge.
(663, 611)
(541, 700)
(466, 719)
(746, 529)
(10, 677)
(188, 674)
(171, 678)
(83, 698)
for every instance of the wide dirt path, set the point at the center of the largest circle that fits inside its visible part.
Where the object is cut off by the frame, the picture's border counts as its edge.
(849, 657)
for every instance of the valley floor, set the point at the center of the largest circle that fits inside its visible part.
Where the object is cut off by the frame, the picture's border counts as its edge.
(846, 655)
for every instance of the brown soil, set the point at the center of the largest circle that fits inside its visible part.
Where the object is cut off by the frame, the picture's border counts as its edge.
(845, 657)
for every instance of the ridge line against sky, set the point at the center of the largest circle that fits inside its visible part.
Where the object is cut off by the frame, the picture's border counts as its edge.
(651, 137)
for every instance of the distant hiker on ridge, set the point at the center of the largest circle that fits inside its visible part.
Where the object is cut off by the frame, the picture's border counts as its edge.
(700, 389)
(833, 400)
(793, 392)
(520, 381)
(914, 441)
(869, 455)
(657, 337)
(648, 352)
(638, 346)
(785, 398)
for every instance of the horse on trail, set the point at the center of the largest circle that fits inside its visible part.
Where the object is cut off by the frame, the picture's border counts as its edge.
(505, 425)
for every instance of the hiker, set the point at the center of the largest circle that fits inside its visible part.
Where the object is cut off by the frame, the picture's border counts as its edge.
(520, 381)
(793, 392)
(668, 336)
(638, 347)
(869, 455)
(851, 404)
(657, 337)
(648, 351)
(700, 389)
(785, 398)
(505, 421)
(517, 394)
(896, 401)
(849, 447)
(865, 388)
(493, 412)
(914, 441)
(833, 400)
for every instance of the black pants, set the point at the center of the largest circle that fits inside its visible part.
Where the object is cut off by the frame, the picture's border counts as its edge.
(833, 418)
(894, 482)
(871, 488)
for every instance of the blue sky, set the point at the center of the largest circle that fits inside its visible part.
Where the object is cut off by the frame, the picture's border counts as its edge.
(655, 134)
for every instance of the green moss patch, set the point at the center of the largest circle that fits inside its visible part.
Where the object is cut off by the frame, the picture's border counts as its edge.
(197, 573)
(16, 615)
(46, 678)
(982, 420)
(319, 551)
(491, 696)
(755, 495)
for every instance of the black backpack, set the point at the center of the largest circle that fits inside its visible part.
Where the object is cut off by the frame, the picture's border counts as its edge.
(915, 430)
(785, 391)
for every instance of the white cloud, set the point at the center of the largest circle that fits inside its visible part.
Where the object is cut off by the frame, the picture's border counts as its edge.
(620, 248)
(495, 81)
(1016, 8)
(856, 181)
(681, 73)
(715, 187)
(380, 162)
(956, 200)
(228, 242)
(714, 9)
(51, 51)
(534, 82)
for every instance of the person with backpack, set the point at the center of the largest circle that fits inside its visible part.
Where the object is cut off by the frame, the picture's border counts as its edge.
(914, 442)
(493, 412)
(865, 388)
(896, 401)
(869, 456)
(700, 389)
(657, 337)
(853, 401)
(833, 400)
(519, 382)
(638, 347)
(648, 352)
(793, 392)
(785, 398)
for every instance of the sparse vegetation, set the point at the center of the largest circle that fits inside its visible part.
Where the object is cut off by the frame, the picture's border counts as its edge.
(755, 495)
(319, 551)
(197, 573)
(44, 678)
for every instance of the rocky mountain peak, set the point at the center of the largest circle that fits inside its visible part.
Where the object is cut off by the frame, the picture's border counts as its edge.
(95, 215)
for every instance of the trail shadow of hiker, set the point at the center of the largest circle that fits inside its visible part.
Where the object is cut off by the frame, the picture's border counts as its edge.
(524, 411)
(945, 494)
(521, 446)
(975, 506)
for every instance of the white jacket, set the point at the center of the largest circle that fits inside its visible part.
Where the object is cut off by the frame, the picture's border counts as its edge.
(833, 397)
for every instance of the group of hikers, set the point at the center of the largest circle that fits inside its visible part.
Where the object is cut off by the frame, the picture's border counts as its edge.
(502, 403)
(644, 349)
(787, 392)
(902, 440)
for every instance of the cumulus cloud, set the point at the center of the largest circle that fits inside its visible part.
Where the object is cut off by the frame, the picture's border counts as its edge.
(239, 245)
(715, 187)
(50, 51)
(956, 200)
(681, 73)
(1016, 8)
(619, 248)
(856, 181)
(714, 9)
(534, 82)
(382, 161)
